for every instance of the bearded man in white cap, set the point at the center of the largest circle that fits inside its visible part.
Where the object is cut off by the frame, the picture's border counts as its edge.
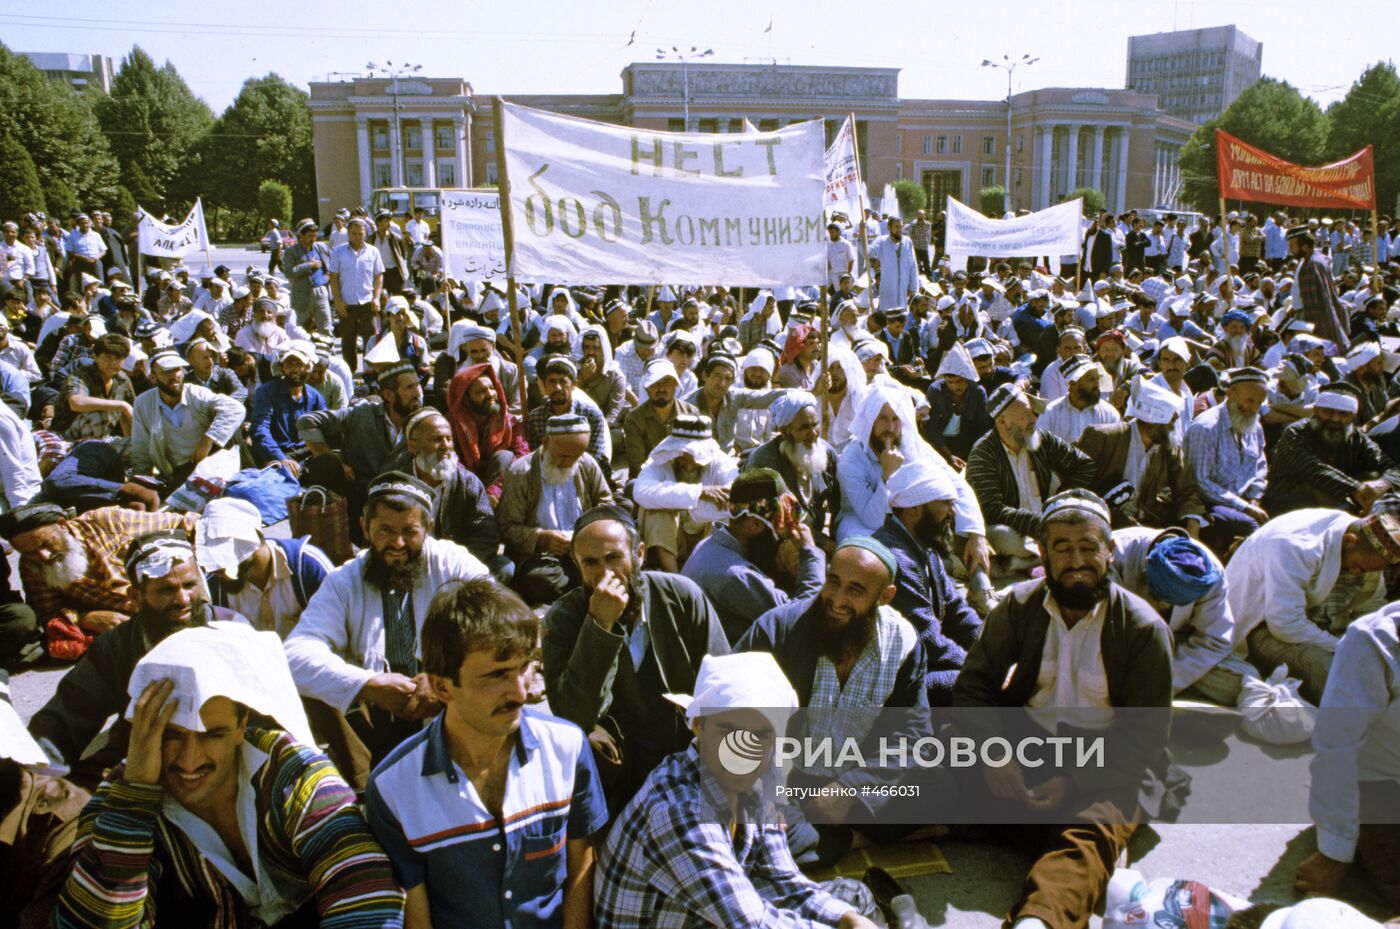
(652, 420)
(1140, 466)
(1083, 404)
(701, 842)
(219, 812)
(1225, 451)
(174, 425)
(1365, 367)
(682, 489)
(802, 458)
(752, 427)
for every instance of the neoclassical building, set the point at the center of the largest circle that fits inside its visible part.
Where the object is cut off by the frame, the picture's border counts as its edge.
(371, 132)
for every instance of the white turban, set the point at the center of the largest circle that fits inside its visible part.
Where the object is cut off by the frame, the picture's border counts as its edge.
(747, 680)
(918, 483)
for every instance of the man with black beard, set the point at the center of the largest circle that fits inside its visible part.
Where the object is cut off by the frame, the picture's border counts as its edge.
(615, 646)
(919, 533)
(461, 508)
(844, 646)
(1365, 367)
(354, 654)
(175, 425)
(1140, 467)
(170, 594)
(803, 459)
(1074, 648)
(1326, 461)
(761, 558)
(650, 422)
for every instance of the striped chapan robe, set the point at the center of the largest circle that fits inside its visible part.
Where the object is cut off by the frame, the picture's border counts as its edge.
(133, 867)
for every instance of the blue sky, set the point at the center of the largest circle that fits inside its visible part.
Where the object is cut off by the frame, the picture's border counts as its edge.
(547, 46)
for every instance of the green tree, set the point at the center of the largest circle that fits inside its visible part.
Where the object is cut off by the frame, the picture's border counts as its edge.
(151, 119)
(134, 179)
(275, 201)
(912, 198)
(123, 207)
(264, 134)
(20, 192)
(1094, 200)
(1370, 115)
(60, 197)
(1271, 115)
(57, 128)
(992, 200)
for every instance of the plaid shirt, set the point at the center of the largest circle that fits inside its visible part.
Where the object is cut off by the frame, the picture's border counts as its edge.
(633, 366)
(919, 231)
(73, 348)
(104, 534)
(1230, 469)
(1159, 289)
(599, 440)
(671, 863)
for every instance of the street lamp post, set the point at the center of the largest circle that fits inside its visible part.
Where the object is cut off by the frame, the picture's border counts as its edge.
(684, 58)
(390, 70)
(1008, 66)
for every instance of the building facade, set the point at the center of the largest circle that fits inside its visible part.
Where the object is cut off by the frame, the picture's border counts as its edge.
(1195, 73)
(77, 71)
(370, 135)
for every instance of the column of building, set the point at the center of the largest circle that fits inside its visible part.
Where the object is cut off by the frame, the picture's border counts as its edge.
(395, 152)
(1121, 200)
(428, 151)
(362, 144)
(1072, 158)
(1046, 193)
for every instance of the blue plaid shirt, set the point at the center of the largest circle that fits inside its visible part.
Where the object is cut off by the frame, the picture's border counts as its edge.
(671, 863)
(1230, 469)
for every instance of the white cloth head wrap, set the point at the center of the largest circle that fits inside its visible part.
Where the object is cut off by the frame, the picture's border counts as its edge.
(1152, 403)
(958, 362)
(919, 483)
(747, 680)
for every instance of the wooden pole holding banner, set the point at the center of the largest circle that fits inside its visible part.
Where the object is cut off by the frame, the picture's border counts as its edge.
(1375, 243)
(509, 241)
(860, 202)
(1224, 236)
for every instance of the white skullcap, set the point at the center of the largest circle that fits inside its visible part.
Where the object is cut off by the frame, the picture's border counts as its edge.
(1319, 913)
(1341, 400)
(758, 358)
(657, 371)
(919, 482)
(1363, 354)
(1177, 346)
(747, 680)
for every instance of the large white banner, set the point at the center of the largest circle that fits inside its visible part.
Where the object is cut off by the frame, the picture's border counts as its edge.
(1052, 231)
(473, 245)
(592, 202)
(843, 186)
(166, 241)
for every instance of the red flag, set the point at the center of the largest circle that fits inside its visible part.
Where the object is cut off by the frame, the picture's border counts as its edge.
(1249, 173)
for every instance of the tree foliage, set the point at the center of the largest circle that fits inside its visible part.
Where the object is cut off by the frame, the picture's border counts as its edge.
(264, 134)
(1271, 115)
(57, 128)
(1094, 200)
(275, 201)
(20, 192)
(992, 201)
(61, 198)
(1370, 115)
(151, 120)
(912, 198)
(123, 207)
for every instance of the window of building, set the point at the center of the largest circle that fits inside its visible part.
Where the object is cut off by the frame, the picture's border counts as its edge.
(675, 125)
(447, 172)
(443, 139)
(709, 125)
(381, 170)
(490, 141)
(942, 145)
(413, 177)
(379, 138)
(898, 143)
(768, 125)
(899, 170)
(989, 145)
(989, 177)
(957, 145)
(1018, 177)
(736, 126)
(491, 174)
(928, 145)
(413, 137)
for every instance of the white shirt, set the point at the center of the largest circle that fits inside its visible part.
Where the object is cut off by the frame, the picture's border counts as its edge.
(559, 506)
(274, 608)
(1062, 419)
(20, 260)
(19, 465)
(417, 232)
(1026, 485)
(1072, 674)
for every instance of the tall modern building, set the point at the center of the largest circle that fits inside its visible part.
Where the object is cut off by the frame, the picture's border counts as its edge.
(1196, 73)
(78, 71)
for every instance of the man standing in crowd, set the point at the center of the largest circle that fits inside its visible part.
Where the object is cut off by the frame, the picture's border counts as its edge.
(357, 288)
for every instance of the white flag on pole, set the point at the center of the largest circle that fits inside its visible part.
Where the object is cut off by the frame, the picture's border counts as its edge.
(843, 183)
(473, 246)
(596, 202)
(748, 126)
(173, 241)
(1052, 231)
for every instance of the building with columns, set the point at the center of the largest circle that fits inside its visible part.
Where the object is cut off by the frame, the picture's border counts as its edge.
(439, 133)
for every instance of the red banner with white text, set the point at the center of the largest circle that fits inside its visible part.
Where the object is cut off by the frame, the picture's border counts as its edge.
(1249, 173)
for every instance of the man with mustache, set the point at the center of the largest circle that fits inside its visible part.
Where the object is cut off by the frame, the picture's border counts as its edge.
(1140, 469)
(1225, 451)
(536, 802)
(355, 653)
(95, 688)
(682, 489)
(1074, 648)
(1083, 405)
(544, 494)
(614, 646)
(919, 533)
(761, 557)
(1012, 468)
(488, 437)
(1326, 461)
(802, 458)
(558, 376)
(225, 812)
(1365, 370)
(174, 425)
(1236, 349)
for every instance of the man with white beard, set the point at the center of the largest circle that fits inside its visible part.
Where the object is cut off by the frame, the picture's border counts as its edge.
(544, 493)
(1236, 349)
(461, 509)
(263, 338)
(802, 458)
(682, 489)
(1225, 451)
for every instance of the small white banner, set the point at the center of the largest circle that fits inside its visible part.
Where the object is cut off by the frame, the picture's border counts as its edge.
(592, 202)
(165, 241)
(1052, 231)
(843, 186)
(473, 245)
